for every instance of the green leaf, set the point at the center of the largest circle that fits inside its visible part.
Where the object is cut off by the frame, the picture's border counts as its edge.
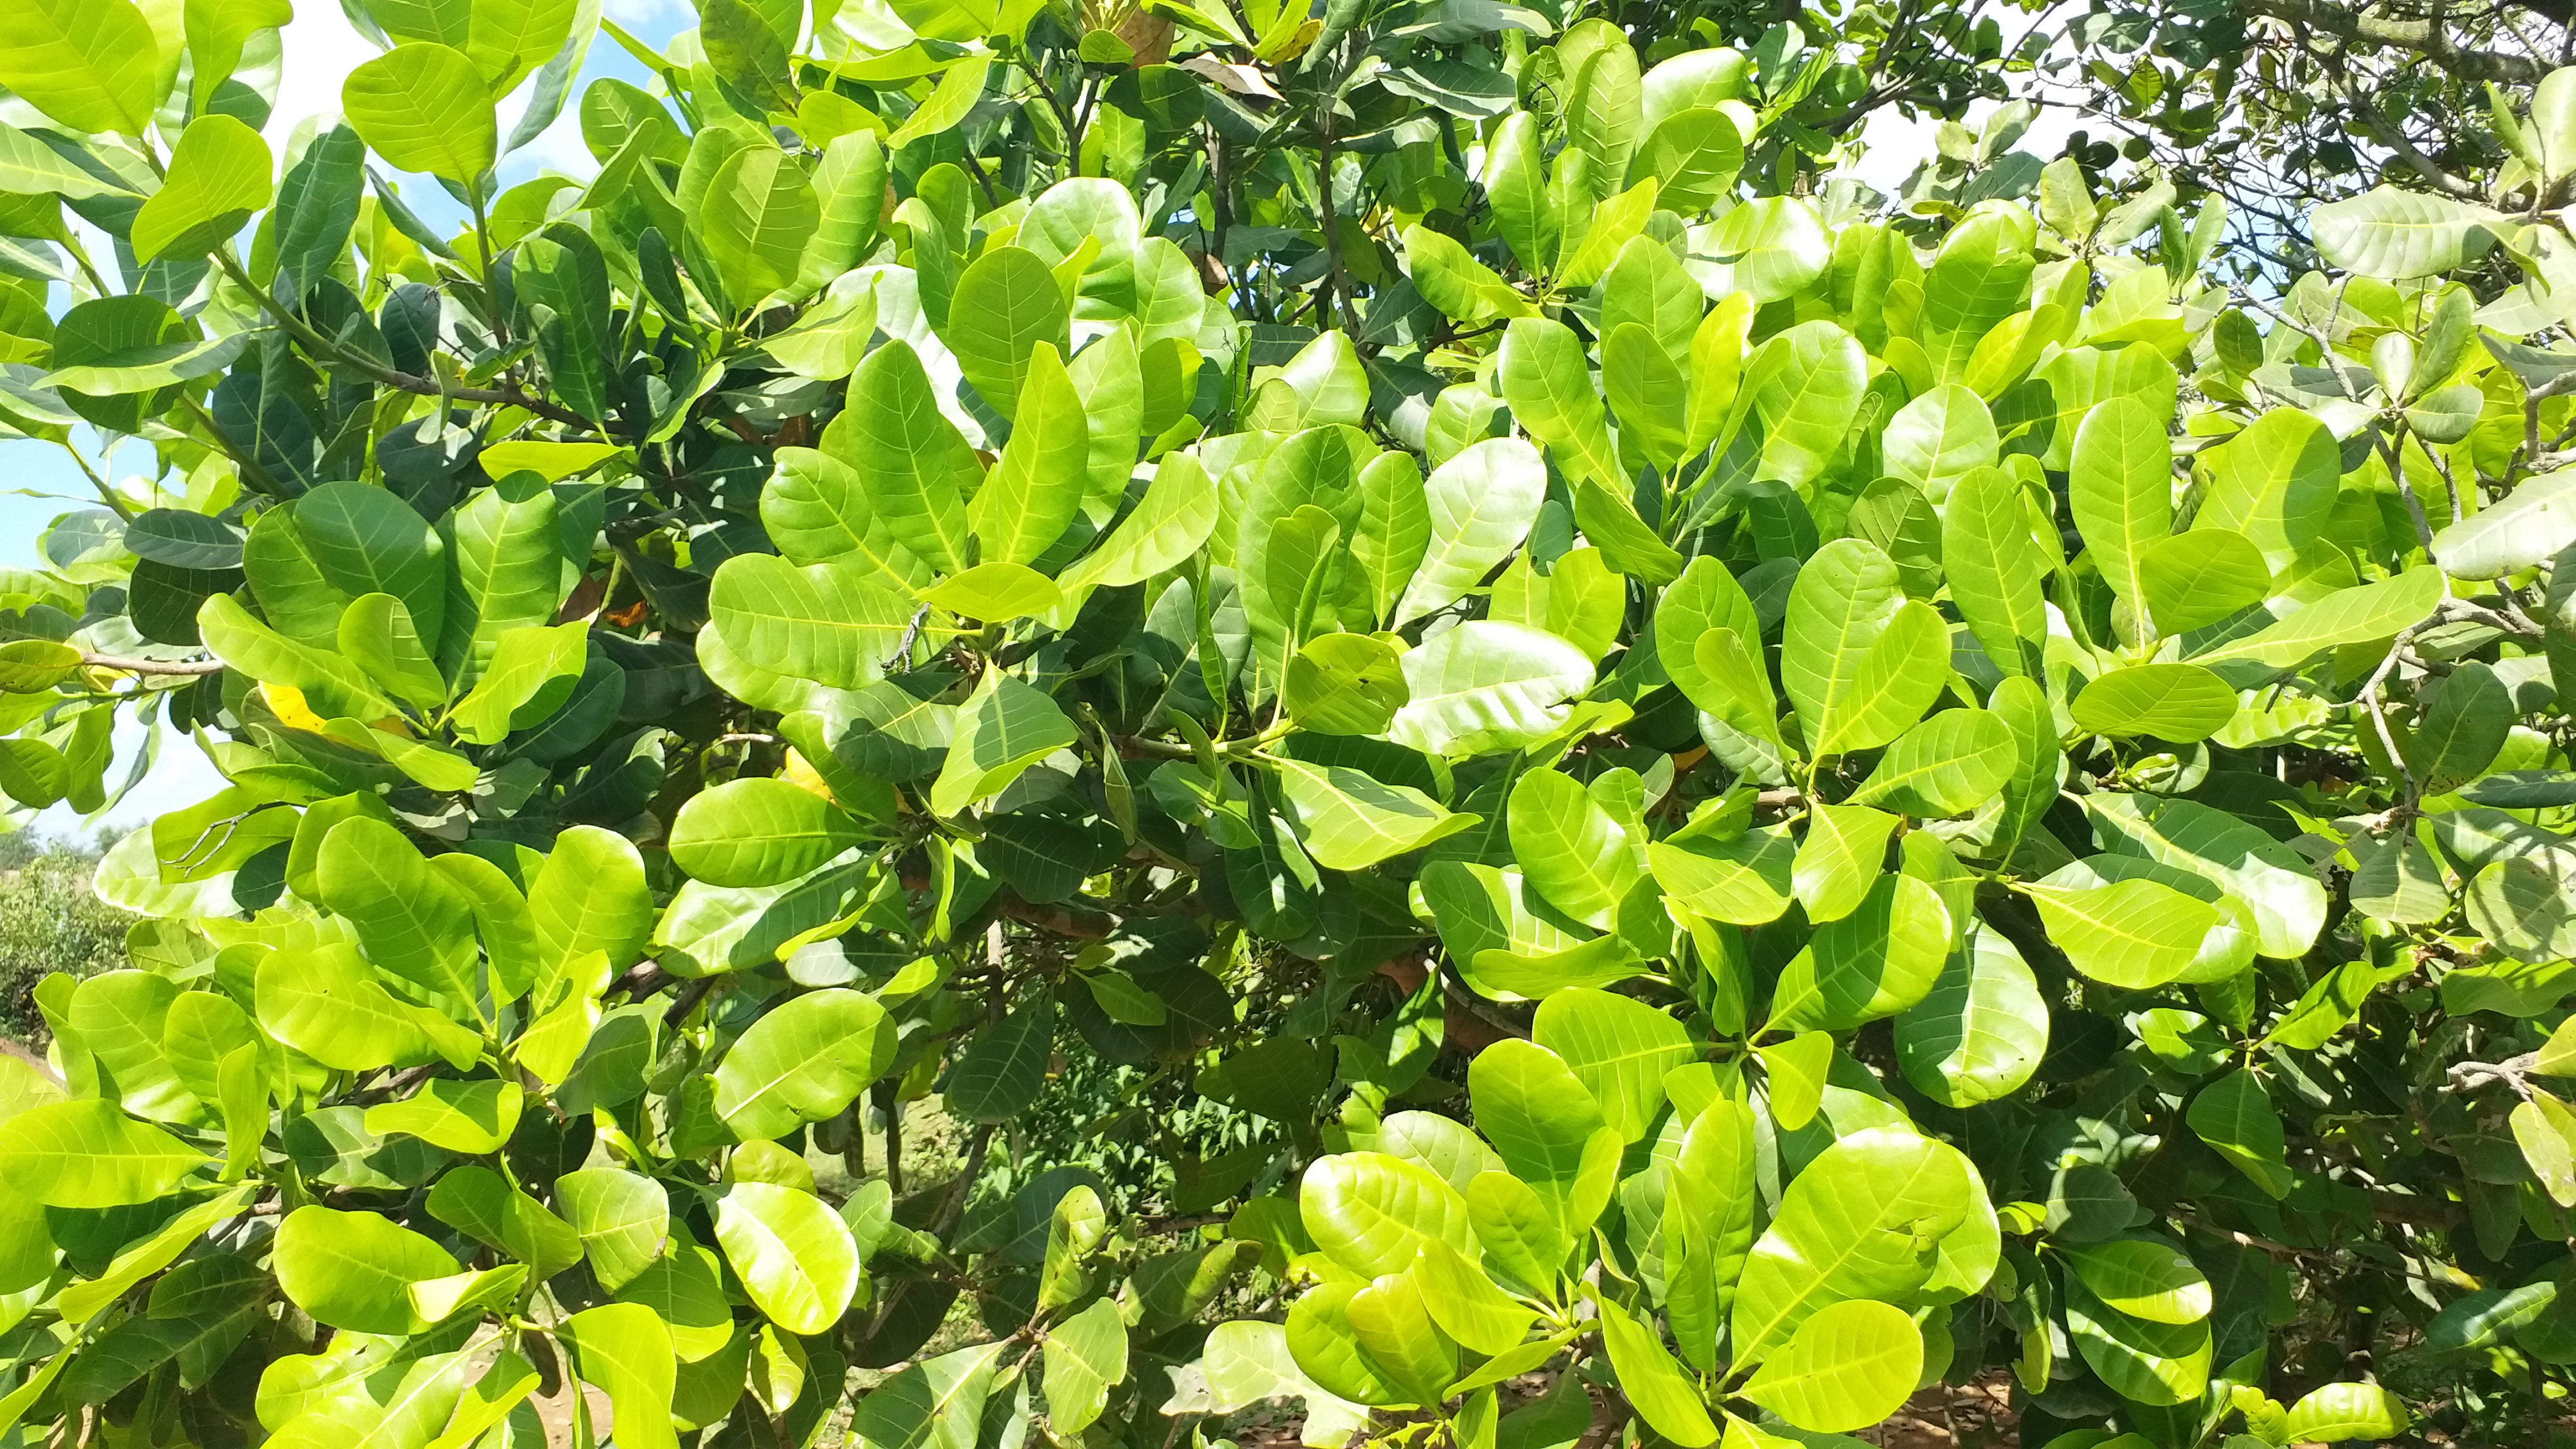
(1805, 385)
(624, 1351)
(1349, 820)
(2462, 730)
(1486, 686)
(2201, 577)
(561, 278)
(1396, 1333)
(317, 201)
(1770, 248)
(91, 66)
(1006, 303)
(1883, 957)
(531, 674)
(590, 895)
(1646, 392)
(2397, 879)
(795, 1257)
(2522, 906)
(1544, 1122)
(2119, 491)
(1579, 599)
(2336, 1412)
(1521, 1234)
(1612, 523)
(758, 212)
(1620, 1050)
(367, 540)
(1706, 596)
(377, 632)
(1849, 1366)
(1326, 1347)
(1037, 487)
(1515, 180)
(958, 90)
(1085, 1355)
(913, 466)
(2396, 235)
(1371, 1213)
(757, 832)
(88, 1154)
(472, 1118)
(2524, 528)
(1465, 1303)
(832, 623)
(802, 1061)
(1694, 154)
(352, 1269)
(1451, 279)
(112, 346)
(1345, 684)
(1654, 1384)
(505, 572)
(1171, 522)
(2275, 483)
(423, 107)
(477, 1202)
(2180, 703)
(1549, 388)
(1571, 849)
(2147, 1363)
(1938, 439)
(1860, 661)
(218, 180)
(1860, 1222)
(2143, 1277)
(2133, 934)
(2363, 615)
(1714, 1176)
(1002, 729)
(2234, 1116)
(2273, 880)
(622, 1218)
(1843, 854)
(1980, 1033)
(1481, 503)
(1745, 880)
(408, 921)
(2545, 1130)
(29, 167)
(1981, 277)
(686, 1291)
(1004, 1068)
(328, 1004)
(1950, 764)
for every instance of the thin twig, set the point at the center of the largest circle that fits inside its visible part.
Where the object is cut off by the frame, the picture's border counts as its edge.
(324, 348)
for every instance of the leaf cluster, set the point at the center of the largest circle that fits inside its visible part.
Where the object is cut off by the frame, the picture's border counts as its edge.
(1734, 795)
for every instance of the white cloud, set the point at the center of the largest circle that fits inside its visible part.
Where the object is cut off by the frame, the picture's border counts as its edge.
(321, 50)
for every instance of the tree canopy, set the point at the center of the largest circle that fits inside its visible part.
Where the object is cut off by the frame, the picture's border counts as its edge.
(1521, 768)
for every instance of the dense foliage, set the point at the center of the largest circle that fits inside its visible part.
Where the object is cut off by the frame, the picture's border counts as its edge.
(1478, 729)
(50, 920)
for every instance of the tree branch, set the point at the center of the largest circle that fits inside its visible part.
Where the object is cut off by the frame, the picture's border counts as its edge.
(151, 666)
(2424, 37)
